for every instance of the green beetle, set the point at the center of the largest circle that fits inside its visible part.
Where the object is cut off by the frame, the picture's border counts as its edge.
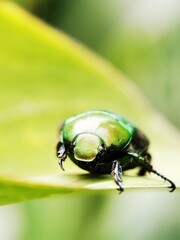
(103, 142)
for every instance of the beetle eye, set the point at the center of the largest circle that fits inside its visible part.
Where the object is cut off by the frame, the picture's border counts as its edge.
(87, 147)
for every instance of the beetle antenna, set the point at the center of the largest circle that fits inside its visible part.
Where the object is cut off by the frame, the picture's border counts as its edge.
(173, 186)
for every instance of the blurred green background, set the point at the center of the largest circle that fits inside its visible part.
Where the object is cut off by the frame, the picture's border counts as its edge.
(141, 38)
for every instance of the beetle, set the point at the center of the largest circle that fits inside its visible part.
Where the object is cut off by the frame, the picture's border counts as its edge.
(103, 142)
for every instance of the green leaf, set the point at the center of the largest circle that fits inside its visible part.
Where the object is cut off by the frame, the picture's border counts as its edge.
(45, 78)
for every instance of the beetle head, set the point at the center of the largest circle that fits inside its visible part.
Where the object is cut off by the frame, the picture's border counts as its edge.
(87, 146)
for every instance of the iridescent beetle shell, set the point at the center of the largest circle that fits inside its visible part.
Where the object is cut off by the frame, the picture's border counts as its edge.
(104, 142)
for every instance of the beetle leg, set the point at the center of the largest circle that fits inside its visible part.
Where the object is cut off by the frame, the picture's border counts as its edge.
(117, 172)
(148, 167)
(143, 171)
(172, 186)
(61, 154)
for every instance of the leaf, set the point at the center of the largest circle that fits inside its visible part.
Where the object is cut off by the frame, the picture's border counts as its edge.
(45, 78)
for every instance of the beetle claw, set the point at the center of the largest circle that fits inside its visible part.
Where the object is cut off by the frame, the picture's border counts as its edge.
(121, 190)
(61, 164)
(172, 187)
